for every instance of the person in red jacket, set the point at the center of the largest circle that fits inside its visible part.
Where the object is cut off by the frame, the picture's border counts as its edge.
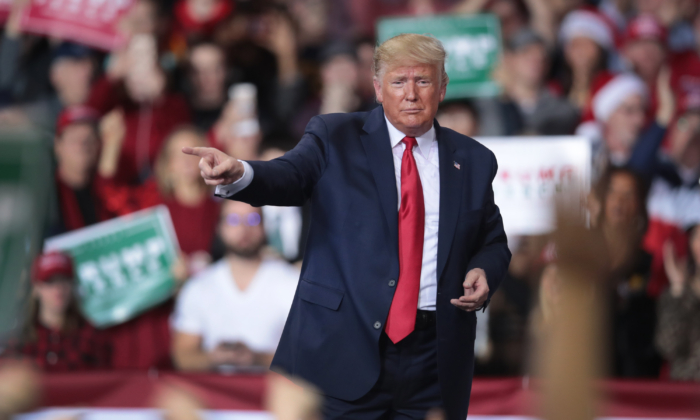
(77, 148)
(56, 337)
(136, 85)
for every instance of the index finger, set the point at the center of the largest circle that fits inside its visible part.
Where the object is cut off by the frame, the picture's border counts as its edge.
(197, 151)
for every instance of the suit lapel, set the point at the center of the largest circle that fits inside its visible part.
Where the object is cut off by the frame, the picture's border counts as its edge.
(451, 178)
(377, 145)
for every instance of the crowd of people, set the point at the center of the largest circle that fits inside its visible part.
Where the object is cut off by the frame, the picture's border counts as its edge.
(246, 77)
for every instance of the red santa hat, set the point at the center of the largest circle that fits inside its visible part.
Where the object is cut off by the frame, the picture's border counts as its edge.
(609, 91)
(589, 24)
(645, 27)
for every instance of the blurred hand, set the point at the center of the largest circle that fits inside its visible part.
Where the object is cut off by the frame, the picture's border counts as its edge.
(19, 388)
(12, 25)
(242, 355)
(178, 404)
(288, 400)
(117, 64)
(666, 99)
(217, 168)
(279, 37)
(180, 270)
(476, 291)
(221, 355)
(113, 128)
(112, 131)
(144, 78)
(237, 354)
(675, 269)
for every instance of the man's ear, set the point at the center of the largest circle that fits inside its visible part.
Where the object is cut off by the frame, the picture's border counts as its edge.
(378, 90)
(443, 90)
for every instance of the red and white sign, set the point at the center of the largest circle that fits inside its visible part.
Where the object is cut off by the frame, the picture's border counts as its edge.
(532, 172)
(89, 22)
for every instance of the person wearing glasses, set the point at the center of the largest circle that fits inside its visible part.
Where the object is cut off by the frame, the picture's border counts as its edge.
(231, 315)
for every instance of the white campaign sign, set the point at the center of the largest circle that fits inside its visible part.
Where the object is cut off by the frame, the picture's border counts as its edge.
(531, 171)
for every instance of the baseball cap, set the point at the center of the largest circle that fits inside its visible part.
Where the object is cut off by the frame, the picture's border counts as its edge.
(76, 114)
(523, 38)
(335, 49)
(70, 50)
(645, 27)
(52, 264)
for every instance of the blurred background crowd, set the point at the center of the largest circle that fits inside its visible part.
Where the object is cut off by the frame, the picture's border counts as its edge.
(246, 76)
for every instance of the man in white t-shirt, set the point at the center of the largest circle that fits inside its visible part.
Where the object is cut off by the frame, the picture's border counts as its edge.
(233, 313)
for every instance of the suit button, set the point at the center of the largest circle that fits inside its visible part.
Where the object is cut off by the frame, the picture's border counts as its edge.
(377, 325)
(392, 283)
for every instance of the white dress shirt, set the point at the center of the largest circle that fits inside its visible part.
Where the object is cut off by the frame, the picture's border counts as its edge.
(428, 163)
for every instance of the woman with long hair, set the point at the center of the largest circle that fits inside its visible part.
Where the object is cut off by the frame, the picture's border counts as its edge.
(678, 331)
(586, 38)
(55, 337)
(622, 220)
(144, 342)
(175, 183)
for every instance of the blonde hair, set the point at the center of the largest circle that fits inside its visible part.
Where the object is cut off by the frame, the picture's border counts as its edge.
(161, 169)
(423, 49)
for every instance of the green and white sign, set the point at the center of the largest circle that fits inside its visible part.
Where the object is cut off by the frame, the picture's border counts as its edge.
(472, 42)
(122, 265)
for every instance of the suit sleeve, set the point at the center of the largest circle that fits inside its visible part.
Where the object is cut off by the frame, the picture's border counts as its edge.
(289, 180)
(493, 255)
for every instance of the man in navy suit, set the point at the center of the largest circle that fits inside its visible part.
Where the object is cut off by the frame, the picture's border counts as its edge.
(405, 243)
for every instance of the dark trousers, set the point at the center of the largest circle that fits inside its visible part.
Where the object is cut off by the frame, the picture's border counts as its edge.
(408, 382)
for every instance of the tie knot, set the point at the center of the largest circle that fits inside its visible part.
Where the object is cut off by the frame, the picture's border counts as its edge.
(410, 142)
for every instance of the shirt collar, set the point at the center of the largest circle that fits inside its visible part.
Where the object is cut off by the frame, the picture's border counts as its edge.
(424, 141)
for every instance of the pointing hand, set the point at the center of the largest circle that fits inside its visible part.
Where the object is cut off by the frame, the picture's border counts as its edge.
(216, 167)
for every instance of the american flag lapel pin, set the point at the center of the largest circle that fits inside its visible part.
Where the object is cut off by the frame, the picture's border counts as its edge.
(457, 166)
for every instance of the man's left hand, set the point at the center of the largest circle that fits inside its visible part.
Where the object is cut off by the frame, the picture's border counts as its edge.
(476, 291)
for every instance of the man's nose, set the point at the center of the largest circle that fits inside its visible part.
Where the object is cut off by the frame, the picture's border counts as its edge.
(411, 91)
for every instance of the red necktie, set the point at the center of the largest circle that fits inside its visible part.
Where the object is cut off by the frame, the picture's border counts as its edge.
(402, 314)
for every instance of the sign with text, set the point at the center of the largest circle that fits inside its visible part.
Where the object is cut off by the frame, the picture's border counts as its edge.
(122, 265)
(531, 172)
(472, 42)
(90, 22)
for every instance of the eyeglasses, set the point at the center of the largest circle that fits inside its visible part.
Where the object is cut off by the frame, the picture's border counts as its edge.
(250, 219)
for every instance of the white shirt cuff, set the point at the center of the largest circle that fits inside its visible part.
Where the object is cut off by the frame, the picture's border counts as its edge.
(227, 191)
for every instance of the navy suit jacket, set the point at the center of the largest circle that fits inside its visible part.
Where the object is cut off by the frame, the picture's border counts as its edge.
(344, 165)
